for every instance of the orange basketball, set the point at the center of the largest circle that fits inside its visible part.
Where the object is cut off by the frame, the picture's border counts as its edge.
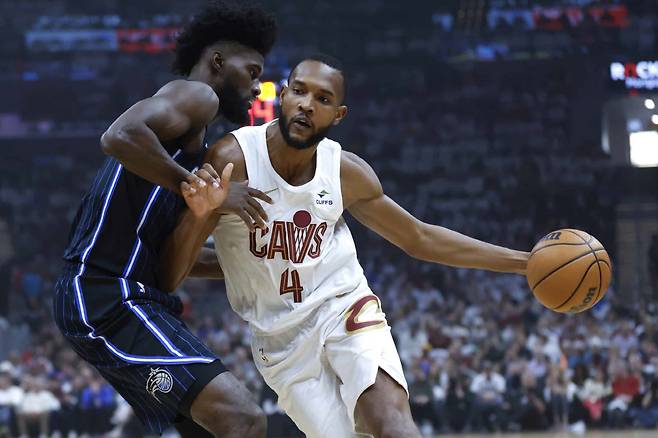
(569, 271)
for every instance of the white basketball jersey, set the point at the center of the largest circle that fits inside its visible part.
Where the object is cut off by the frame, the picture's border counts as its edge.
(276, 277)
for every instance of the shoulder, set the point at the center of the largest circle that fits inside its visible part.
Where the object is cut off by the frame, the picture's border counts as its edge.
(355, 169)
(358, 179)
(227, 150)
(190, 95)
(182, 89)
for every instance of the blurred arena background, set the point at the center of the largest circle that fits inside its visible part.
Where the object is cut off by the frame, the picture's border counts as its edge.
(501, 119)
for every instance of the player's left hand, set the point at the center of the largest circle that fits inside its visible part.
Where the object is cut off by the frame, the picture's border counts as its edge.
(207, 194)
(244, 202)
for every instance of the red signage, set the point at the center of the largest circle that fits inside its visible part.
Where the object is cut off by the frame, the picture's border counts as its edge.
(150, 40)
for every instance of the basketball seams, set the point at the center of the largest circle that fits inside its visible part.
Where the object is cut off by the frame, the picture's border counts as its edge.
(568, 230)
(555, 244)
(577, 287)
(598, 293)
(610, 271)
(560, 267)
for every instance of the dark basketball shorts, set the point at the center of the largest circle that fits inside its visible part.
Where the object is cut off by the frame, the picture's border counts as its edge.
(133, 335)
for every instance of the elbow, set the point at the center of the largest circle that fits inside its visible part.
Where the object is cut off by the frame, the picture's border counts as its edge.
(109, 143)
(117, 141)
(416, 242)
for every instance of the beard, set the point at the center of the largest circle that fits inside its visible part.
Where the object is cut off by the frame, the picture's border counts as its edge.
(300, 144)
(233, 106)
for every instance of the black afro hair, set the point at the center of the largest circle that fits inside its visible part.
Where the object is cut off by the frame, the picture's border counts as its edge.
(246, 24)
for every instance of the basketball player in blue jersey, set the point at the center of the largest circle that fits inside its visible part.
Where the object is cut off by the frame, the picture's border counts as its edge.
(319, 336)
(108, 301)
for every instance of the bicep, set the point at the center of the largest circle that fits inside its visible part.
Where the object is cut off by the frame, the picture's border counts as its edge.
(364, 198)
(388, 219)
(172, 113)
(156, 113)
(227, 150)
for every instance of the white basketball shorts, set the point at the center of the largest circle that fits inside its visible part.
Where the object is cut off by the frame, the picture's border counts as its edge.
(321, 367)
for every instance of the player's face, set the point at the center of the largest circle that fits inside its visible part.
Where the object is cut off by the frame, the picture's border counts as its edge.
(311, 104)
(241, 84)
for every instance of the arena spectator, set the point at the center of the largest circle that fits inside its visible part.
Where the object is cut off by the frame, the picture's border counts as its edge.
(35, 408)
(11, 396)
(488, 388)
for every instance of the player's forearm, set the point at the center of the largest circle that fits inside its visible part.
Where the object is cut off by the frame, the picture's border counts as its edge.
(139, 150)
(181, 250)
(207, 265)
(441, 245)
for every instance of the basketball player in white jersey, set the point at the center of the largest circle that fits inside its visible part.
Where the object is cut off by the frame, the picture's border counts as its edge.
(320, 339)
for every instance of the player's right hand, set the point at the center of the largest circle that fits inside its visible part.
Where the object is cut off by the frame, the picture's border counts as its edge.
(206, 191)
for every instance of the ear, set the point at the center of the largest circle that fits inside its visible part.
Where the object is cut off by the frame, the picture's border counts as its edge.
(341, 112)
(282, 93)
(217, 61)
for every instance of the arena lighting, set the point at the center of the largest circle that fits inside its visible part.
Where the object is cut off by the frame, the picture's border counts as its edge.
(649, 103)
(267, 92)
(654, 119)
(644, 148)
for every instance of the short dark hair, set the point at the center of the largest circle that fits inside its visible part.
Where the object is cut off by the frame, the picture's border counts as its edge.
(326, 60)
(249, 25)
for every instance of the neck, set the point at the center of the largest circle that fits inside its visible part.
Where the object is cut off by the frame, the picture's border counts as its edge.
(201, 74)
(290, 163)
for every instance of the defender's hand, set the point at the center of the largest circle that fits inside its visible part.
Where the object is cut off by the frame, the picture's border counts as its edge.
(206, 191)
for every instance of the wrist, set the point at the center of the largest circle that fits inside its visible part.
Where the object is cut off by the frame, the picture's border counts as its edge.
(519, 261)
(199, 217)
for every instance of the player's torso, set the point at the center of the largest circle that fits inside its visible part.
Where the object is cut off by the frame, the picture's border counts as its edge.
(277, 276)
(123, 220)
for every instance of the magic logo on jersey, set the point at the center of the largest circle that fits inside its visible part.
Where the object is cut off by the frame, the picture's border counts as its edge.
(293, 241)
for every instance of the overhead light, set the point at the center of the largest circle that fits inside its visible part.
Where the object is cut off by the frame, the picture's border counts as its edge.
(644, 148)
(654, 119)
(649, 103)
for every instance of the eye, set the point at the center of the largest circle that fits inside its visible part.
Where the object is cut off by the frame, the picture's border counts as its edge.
(296, 90)
(253, 73)
(324, 100)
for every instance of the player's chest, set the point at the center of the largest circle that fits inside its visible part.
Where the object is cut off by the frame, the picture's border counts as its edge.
(299, 225)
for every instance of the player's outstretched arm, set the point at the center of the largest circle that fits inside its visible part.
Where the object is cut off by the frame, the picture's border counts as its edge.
(179, 109)
(364, 198)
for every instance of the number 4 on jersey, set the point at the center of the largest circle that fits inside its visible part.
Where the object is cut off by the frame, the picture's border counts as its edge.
(295, 287)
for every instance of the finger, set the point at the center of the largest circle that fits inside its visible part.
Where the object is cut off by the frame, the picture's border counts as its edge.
(226, 176)
(260, 195)
(211, 170)
(186, 188)
(195, 181)
(204, 175)
(246, 219)
(254, 215)
(259, 208)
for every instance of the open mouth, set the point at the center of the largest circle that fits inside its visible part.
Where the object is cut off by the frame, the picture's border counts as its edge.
(301, 122)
